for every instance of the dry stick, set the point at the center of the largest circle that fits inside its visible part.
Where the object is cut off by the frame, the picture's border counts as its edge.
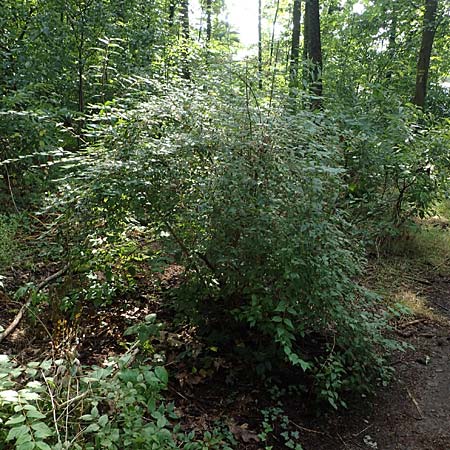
(52, 399)
(415, 404)
(10, 190)
(362, 431)
(308, 430)
(442, 306)
(413, 322)
(21, 312)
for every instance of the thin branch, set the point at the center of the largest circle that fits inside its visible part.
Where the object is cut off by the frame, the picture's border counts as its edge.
(27, 304)
(10, 190)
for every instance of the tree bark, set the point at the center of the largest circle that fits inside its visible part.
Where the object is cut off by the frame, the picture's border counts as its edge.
(172, 6)
(260, 57)
(314, 52)
(272, 39)
(185, 27)
(423, 65)
(208, 21)
(295, 47)
(185, 19)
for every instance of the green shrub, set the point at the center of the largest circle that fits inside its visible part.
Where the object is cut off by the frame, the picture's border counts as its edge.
(396, 162)
(253, 211)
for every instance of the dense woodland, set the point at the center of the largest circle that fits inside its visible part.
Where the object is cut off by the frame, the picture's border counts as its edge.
(222, 205)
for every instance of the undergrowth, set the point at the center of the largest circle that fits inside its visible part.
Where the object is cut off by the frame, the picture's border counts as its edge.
(59, 404)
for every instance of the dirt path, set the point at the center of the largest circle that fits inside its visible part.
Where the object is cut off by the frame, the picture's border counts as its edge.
(413, 412)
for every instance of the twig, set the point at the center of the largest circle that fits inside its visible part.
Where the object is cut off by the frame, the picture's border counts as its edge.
(415, 404)
(413, 322)
(12, 326)
(342, 440)
(441, 306)
(50, 393)
(308, 430)
(10, 190)
(362, 431)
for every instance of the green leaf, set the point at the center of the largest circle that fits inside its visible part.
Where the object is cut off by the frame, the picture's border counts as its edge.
(9, 396)
(41, 430)
(16, 432)
(26, 446)
(4, 359)
(162, 374)
(42, 446)
(23, 438)
(29, 396)
(14, 420)
(92, 428)
(103, 420)
(161, 422)
(289, 323)
(34, 414)
(87, 417)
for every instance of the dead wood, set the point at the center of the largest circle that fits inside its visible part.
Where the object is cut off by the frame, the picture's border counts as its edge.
(12, 326)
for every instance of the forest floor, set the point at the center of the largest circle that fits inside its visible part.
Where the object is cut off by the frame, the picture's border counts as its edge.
(411, 413)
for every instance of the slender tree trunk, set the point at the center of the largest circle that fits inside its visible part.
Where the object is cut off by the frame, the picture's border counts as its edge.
(80, 80)
(185, 27)
(260, 57)
(314, 49)
(272, 39)
(423, 65)
(208, 21)
(185, 19)
(305, 55)
(172, 7)
(392, 41)
(295, 48)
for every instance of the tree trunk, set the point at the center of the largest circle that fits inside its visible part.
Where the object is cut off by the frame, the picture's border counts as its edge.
(185, 19)
(423, 65)
(172, 6)
(208, 21)
(295, 48)
(392, 42)
(185, 27)
(260, 58)
(313, 52)
(305, 55)
(272, 39)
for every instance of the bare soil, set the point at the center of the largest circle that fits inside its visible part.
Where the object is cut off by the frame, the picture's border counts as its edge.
(413, 412)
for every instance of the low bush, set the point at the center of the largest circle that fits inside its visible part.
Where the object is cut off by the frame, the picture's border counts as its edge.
(250, 203)
(396, 163)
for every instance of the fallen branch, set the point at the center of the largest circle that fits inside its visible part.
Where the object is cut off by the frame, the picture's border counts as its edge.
(12, 326)
(413, 322)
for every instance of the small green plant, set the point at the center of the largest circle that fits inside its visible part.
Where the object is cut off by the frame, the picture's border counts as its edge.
(275, 420)
(8, 246)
